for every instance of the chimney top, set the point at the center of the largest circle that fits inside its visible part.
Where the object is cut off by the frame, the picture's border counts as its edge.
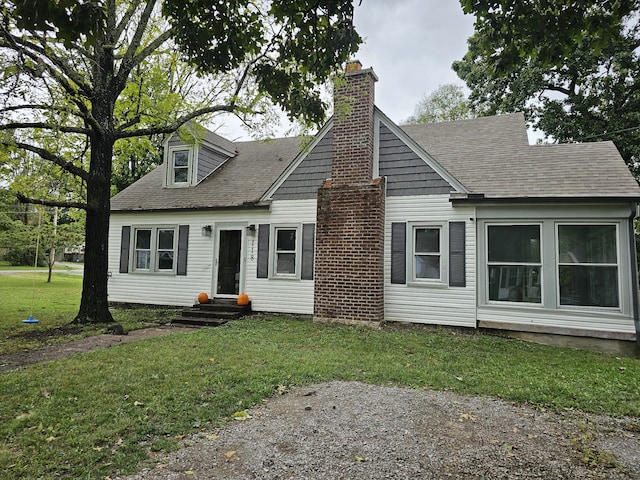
(354, 66)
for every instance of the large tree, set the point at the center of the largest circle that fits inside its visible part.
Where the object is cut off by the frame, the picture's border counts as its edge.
(445, 104)
(66, 66)
(573, 67)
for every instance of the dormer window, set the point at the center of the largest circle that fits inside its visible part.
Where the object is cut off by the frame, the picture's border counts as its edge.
(180, 165)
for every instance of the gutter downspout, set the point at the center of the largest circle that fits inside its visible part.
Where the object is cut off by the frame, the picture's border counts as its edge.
(634, 276)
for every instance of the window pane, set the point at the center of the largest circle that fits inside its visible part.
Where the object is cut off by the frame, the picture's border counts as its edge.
(514, 283)
(427, 240)
(587, 244)
(286, 263)
(286, 240)
(180, 175)
(428, 266)
(514, 243)
(143, 239)
(588, 285)
(143, 258)
(165, 260)
(181, 159)
(165, 239)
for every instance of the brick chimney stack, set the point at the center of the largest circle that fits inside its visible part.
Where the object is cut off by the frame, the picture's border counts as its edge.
(349, 264)
(354, 96)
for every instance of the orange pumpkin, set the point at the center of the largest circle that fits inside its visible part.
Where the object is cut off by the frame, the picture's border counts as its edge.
(203, 298)
(243, 299)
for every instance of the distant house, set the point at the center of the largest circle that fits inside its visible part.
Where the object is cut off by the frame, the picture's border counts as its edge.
(459, 223)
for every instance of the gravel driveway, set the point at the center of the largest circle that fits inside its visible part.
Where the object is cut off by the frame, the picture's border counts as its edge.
(350, 430)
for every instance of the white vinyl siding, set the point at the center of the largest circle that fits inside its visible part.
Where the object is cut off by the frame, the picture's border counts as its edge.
(282, 293)
(178, 290)
(427, 301)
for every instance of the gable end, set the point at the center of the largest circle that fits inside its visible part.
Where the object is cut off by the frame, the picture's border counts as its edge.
(406, 172)
(308, 176)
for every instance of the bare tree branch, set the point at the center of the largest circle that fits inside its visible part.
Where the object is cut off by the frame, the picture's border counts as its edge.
(52, 203)
(47, 155)
(44, 126)
(172, 127)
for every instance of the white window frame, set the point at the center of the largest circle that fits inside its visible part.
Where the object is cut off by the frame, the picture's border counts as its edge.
(557, 226)
(488, 264)
(443, 254)
(154, 256)
(297, 252)
(170, 174)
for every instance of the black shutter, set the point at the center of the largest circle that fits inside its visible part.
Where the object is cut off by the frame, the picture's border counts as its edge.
(125, 245)
(457, 277)
(308, 240)
(398, 253)
(183, 246)
(263, 250)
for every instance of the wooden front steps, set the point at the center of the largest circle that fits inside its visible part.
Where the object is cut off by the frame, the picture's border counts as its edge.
(213, 313)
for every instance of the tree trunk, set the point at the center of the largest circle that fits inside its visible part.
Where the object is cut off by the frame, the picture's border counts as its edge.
(52, 249)
(94, 306)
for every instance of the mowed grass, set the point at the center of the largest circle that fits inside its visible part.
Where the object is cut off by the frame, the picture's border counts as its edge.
(104, 412)
(54, 305)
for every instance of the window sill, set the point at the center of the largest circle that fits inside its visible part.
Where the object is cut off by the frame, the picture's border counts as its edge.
(438, 285)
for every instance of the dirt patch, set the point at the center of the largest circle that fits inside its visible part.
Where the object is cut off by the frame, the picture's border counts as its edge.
(55, 352)
(351, 430)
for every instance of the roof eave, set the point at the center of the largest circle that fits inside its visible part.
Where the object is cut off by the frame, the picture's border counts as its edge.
(481, 199)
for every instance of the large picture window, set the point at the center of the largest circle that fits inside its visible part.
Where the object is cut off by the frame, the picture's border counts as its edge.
(514, 265)
(588, 265)
(154, 249)
(285, 251)
(427, 253)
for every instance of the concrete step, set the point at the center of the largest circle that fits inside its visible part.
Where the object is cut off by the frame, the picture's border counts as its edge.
(199, 322)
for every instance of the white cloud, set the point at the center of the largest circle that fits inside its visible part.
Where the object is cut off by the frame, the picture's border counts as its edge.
(410, 44)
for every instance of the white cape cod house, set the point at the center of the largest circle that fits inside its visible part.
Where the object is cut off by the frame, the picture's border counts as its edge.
(459, 223)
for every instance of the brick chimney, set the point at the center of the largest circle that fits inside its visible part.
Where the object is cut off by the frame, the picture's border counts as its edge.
(349, 265)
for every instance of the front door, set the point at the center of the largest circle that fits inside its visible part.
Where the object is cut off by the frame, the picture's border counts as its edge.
(229, 262)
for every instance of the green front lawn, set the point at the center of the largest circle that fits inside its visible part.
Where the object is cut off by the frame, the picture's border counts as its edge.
(99, 413)
(55, 305)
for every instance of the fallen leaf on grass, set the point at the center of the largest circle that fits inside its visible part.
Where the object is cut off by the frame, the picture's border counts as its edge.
(50, 439)
(138, 404)
(241, 415)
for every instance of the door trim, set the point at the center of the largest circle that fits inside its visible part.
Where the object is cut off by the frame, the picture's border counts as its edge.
(242, 227)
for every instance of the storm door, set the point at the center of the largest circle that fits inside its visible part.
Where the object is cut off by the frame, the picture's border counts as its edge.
(229, 262)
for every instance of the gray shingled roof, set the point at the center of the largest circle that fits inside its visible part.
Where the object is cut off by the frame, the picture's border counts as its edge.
(241, 180)
(488, 155)
(491, 155)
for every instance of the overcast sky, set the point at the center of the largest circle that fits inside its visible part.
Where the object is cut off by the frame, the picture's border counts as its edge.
(410, 44)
